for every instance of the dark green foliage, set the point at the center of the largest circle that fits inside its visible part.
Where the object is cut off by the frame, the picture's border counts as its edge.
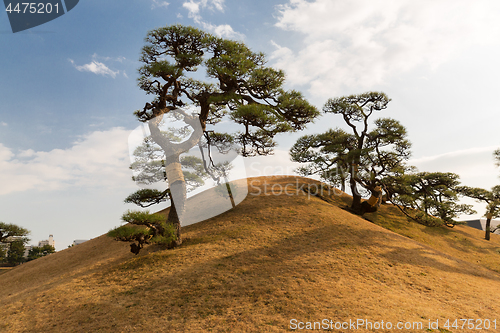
(144, 228)
(127, 232)
(142, 218)
(327, 155)
(9, 232)
(491, 198)
(147, 197)
(15, 254)
(239, 86)
(357, 108)
(38, 252)
(167, 237)
(431, 198)
(361, 157)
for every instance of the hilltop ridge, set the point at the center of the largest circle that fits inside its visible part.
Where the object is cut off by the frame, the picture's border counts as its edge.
(271, 259)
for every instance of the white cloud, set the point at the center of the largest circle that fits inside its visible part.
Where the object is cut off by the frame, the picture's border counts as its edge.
(362, 43)
(99, 159)
(98, 67)
(157, 3)
(475, 166)
(120, 59)
(5, 154)
(4, 123)
(194, 8)
(457, 153)
(223, 30)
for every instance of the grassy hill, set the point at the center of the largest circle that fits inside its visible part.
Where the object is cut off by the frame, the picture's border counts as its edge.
(275, 257)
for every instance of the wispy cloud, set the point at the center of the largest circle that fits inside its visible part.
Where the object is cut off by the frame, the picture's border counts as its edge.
(457, 153)
(362, 43)
(4, 123)
(97, 66)
(195, 7)
(95, 56)
(157, 3)
(99, 159)
(475, 165)
(222, 30)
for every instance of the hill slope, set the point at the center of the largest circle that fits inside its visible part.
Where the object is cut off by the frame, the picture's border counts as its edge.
(272, 259)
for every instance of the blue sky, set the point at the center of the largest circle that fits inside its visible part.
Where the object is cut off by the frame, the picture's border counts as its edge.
(68, 91)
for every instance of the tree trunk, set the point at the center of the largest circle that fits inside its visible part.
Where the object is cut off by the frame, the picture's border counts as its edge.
(488, 229)
(356, 198)
(174, 219)
(230, 194)
(175, 178)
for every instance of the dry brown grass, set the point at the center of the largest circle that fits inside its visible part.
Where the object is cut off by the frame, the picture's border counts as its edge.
(254, 268)
(4, 269)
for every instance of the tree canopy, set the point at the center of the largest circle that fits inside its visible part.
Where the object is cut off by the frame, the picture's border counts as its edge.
(431, 198)
(15, 237)
(238, 86)
(37, 252)
(11, 232)
(363, 156)
(491, 198)
(15, 254)
(205, 80)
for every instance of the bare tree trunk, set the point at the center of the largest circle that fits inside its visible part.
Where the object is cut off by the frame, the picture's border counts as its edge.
(488, 229)
(177, 209)
(230, 194)
(356, 198)
(174, 219)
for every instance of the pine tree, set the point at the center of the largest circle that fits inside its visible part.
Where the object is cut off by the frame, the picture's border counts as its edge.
(204, 80)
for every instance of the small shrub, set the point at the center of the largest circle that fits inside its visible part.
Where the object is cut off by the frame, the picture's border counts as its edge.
(127, 232)
(142, 218)
(169, 235)
(145, 228)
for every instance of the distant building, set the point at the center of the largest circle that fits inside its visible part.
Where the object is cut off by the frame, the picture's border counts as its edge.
(27, 248)
(49, 241)
(79, 241)
(5, 246)
(481, 224)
